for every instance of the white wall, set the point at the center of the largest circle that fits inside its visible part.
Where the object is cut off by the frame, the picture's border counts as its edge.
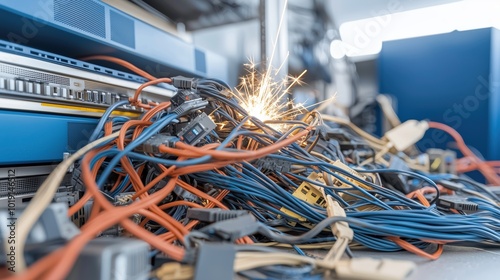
(237, 42)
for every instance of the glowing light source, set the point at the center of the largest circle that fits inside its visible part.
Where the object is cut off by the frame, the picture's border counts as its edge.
(365, 36)
(261, 95)
(265, 98)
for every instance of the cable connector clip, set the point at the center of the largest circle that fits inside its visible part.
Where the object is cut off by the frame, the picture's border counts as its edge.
(181, 82)
(232, 229)
(273, 164)
(184, 95)
(190, 106)
(197, 129)
(152, 145)
(339, 229)
(457, 203)
(212, 215)
(406, 134)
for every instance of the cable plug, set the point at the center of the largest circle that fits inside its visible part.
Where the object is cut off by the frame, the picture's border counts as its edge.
(152, 145)
(457, 203)
(273, 164)
(232, 229)
(339, 229)
(181, 82)
(76, 179)
(197, 129)
(406, 134)
(190, 106)
(373, 269)
(184, 95)
(211, 215)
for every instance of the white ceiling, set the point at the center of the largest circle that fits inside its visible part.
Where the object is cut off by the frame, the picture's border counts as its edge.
(348, 10)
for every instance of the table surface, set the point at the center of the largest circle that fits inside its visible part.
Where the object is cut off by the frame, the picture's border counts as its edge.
(455, 263)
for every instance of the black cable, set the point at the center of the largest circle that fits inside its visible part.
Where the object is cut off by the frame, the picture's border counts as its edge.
(290, 239)
(410, 174)
(479, 186)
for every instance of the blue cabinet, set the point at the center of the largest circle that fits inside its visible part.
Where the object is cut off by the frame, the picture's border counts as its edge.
(451, 78)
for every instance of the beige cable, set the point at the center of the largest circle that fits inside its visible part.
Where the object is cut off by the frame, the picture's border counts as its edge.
(372, 140)
(389, 113)
(43, 197)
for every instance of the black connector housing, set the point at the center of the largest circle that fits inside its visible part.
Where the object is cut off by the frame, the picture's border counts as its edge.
(397, 180)
(182, 96)
(457, 203)
(189, 106)
(196, 129)
(214, 214)
(232, 229)
(181, 82)
(339, 134)
(272, 164)
(329, 148)
(152, 145)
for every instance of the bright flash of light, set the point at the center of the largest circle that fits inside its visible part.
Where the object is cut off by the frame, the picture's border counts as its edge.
(265, 98)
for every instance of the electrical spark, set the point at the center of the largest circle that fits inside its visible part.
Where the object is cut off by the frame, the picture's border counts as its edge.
(265, 98)
(261, 95)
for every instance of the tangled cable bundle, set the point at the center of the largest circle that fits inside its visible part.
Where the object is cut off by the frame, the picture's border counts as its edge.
(294, 180)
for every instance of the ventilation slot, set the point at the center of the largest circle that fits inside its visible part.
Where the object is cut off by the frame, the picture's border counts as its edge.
(33, 75)
(22, 185)
(26, 185)
(85, 15)
(122, 29)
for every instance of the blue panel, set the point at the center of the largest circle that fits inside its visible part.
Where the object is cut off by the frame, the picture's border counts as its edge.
(437, 77)
(122, 29)
(30, 138)
(495, 95)
(82, 28)
(85, 15)
(66, 61)
(200, 61)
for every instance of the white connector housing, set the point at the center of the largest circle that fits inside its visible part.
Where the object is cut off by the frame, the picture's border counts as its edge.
(374, 269)
(339, 229)
(406, 134)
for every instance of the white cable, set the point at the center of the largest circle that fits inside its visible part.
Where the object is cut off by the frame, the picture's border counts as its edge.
(361, 268)
(333, 256)
(389, 113)
(373, 141)
(250, 260)
(322, 245)
(378, 156)
(242, 262)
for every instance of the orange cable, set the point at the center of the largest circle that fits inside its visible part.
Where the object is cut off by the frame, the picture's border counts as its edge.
(488, 172)
(121, 62)
(135, 99)
(411, 248)
(179, 203)
(58, 267)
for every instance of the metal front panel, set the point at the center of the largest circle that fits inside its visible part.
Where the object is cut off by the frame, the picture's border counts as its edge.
(31, 138)
(88, 27)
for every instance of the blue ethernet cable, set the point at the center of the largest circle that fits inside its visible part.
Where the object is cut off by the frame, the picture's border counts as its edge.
(104, 118)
